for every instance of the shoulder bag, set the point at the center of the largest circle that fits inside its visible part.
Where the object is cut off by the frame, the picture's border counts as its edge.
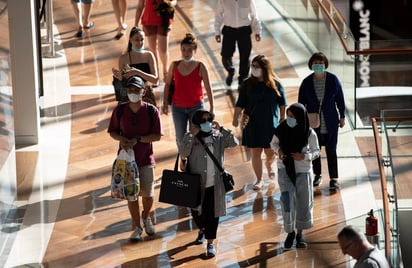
(120, 89)
(314, 118)
(227, 178)
(172, 84)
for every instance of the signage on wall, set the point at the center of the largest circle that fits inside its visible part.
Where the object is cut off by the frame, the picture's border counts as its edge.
(360, 25)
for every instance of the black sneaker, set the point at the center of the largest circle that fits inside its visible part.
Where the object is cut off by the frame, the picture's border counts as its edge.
(289, 240)
(334, 185)
(200, 238)
(317, 181)
(300, 242)
(229, 78)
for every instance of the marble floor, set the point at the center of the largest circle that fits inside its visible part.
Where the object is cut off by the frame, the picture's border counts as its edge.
(64, 215)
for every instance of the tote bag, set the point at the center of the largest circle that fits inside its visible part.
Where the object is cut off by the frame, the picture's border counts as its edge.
(180, 188)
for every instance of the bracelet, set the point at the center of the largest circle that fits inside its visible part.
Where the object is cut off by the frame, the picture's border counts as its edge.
(138, 138)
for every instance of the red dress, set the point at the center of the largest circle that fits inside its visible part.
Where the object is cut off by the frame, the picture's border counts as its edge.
(150, 17)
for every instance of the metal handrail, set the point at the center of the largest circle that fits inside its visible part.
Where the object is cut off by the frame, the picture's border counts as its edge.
(385, 196)
(345, 33)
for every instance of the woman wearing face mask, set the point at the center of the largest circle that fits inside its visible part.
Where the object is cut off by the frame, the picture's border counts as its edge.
(322, 92)
(137, 61)
(188, 96)
(136, 125)
(213, 195)
(262, 99)
(297, 145)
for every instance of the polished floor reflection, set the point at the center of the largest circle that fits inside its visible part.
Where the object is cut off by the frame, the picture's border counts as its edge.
(67, 217)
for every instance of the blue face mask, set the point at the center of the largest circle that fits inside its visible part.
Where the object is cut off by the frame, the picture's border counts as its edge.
(138, 50)
(291, 122)
(206, 127)
(318, 68)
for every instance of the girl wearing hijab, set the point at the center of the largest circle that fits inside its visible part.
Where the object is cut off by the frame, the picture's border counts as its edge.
(297, 146)
(213, 194)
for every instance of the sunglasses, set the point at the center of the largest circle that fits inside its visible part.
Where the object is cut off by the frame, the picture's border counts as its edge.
(206, 120)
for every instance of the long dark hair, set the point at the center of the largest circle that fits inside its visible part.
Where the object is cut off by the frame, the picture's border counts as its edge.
(135, 30)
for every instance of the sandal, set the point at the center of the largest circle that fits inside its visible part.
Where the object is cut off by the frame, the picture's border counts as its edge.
(79, 33)
(120, 31)
(89, 25)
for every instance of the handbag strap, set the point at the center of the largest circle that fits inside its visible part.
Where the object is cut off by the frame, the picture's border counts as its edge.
(175, 64)
(218, 165)
(177, 161)
(323, 95)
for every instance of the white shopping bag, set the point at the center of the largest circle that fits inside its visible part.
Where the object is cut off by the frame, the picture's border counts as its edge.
(125, 182)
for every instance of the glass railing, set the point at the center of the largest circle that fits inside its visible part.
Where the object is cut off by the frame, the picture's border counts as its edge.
(324, 31)
(375, 75)
(383, 81)
(393, 150)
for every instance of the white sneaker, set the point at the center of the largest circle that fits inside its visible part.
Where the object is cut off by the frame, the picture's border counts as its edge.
(211, 251)
(136, 236)
(258, 185)
(148, 226)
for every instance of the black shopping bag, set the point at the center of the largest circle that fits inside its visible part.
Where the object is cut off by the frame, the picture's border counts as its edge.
(180, 188)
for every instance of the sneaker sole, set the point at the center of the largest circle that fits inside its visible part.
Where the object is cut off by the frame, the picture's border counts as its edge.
(317, 183)
(301, 245)
(135, 240)
(149, 233)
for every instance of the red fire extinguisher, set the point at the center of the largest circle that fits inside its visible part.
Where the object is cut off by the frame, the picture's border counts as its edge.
(371, 224)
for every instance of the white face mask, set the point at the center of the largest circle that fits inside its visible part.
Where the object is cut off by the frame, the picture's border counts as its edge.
(256, 72)
(133, 97)
(189, 59)
(138, 50)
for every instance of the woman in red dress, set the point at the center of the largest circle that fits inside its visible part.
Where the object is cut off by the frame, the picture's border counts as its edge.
(156, 17)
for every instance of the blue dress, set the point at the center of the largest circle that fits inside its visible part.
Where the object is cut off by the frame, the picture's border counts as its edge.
(262, 104)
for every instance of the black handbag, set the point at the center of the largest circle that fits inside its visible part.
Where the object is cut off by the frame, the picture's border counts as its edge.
(120, 89)
(180, 188)
(227, 178)
(172, 84)
(171, 92)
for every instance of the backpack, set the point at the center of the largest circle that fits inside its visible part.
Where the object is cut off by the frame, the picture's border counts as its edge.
(150, 97)
(150, 110)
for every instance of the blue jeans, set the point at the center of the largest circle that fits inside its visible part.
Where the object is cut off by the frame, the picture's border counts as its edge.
(181, 116)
